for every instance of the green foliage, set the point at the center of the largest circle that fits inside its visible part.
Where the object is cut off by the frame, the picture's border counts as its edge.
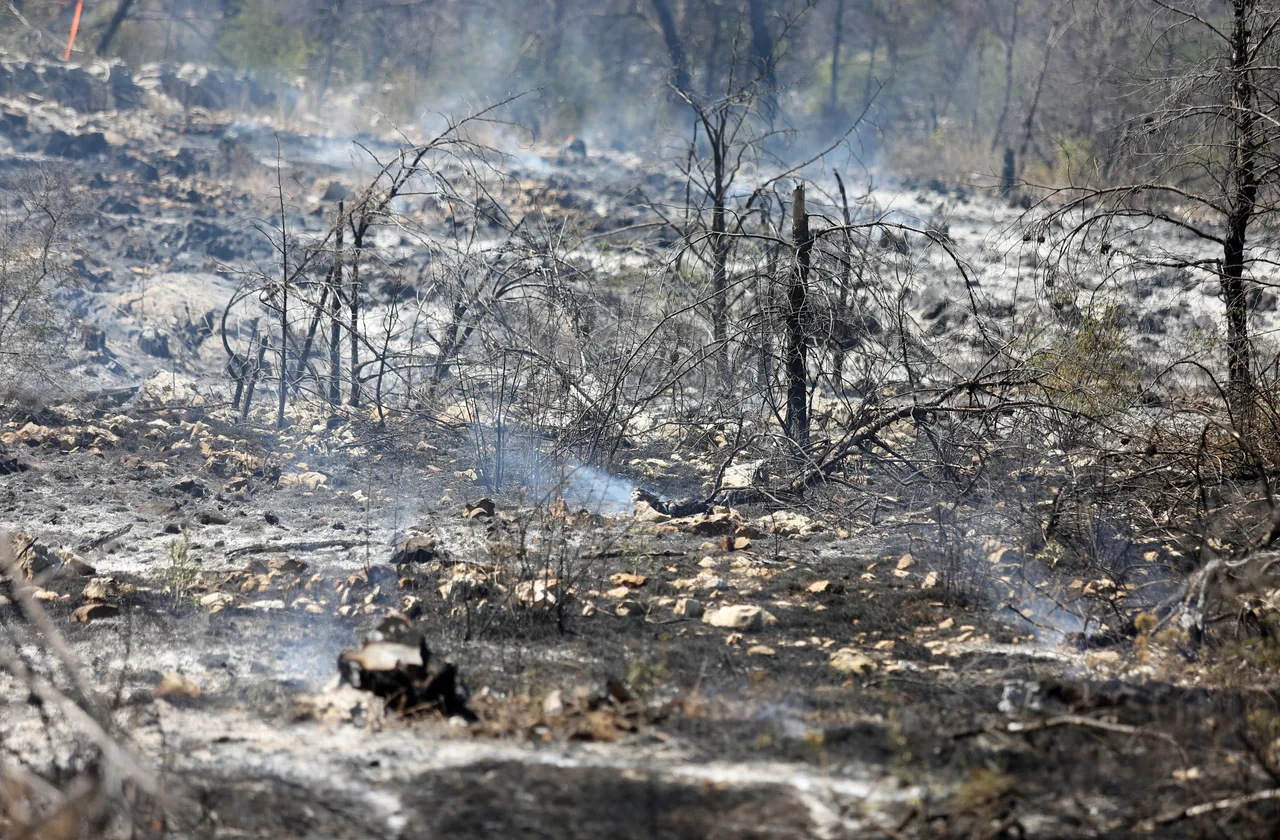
(1090, 366)
(258, 37)
(181, 571)
(643, 675)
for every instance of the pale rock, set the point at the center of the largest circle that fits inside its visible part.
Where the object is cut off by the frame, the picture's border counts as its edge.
(645, 512)
(689, 608)
(628, 608)
(850, 661)
(101, 588)
(739, 617)
(175, 686)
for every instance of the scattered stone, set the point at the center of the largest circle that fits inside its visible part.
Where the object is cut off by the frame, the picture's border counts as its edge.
(624, 579)
(217, 600)
(1095, 658)
(553, 704)
(709, 525)
(689, 608)
(416, 550)
(169, 389)
(154, 343)
(629, 608)
(819, 587)
(286, 564)
(101, 588)
(536, 593)
(788, 524)
(465, 585)
(711, 582)
(850, 661)
(309, 479)
(36, 559)
(739, 617)
(175, 686)
(77, 146)
(740, 476)
(191, 486)
(93, 612)
(646, 513)
(761, 650)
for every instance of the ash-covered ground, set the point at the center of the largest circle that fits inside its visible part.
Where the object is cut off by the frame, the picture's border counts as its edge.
(813, 670)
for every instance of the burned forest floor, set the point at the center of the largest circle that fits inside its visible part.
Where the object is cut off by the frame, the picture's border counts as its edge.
(730, 674)
(860, 661)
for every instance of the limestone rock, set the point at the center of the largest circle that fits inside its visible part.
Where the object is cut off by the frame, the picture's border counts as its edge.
(689, 608)
(850, 661)
(739, 617)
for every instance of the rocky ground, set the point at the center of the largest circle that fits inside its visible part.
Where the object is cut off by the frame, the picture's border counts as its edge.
(800, 673)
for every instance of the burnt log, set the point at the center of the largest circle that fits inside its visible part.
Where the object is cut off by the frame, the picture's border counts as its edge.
(394, 665)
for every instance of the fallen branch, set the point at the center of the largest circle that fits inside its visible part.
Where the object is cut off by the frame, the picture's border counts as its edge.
(1211, 807)
(272, 548)
(1020, 727)
(99, 542)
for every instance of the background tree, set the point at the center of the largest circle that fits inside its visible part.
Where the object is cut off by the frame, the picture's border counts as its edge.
(1203, 156)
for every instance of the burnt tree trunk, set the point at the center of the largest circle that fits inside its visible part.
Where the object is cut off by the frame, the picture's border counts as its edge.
(113, 26)
(331, 51)
(1027, 127)
(283, 372)
(675, 46)
(762, 57)
(871, 63)
(1009, 45)
(719, 250)
(797, 341)
(846, 281)
(354, 327)
(304, 358)
(1242, 203)
(335, 324)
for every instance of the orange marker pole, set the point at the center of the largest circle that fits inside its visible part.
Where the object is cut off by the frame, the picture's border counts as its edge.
(75, 27)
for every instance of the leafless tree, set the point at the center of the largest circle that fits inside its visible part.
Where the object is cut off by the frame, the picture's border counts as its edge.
(1206, 160)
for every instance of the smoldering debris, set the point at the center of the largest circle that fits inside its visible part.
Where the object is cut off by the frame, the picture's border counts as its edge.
(394, 663)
